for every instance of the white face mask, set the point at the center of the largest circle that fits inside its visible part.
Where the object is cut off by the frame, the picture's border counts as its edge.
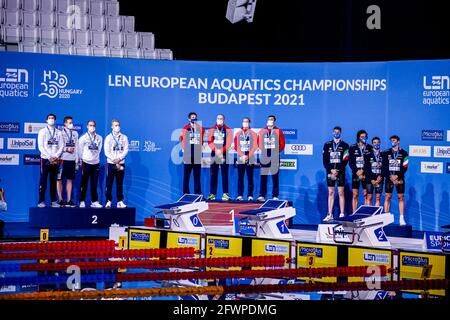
(270, 123)
(70, 126)
(50, 122)
(219, 122)
(245, 124)
(116, 129)
(91, 129)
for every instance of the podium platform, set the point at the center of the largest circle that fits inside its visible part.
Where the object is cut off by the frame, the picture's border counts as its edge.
(89, 218)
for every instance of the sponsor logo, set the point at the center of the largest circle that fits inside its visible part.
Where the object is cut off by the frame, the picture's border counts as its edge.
(187, 241)
(134, 145)
(32, 127)
(441, 152)
(290, 133)
(276, 248)
(31, 159)
(55, 86)
(9, 159)
(414, 261)
(431, 167)
(140, 236)
(448, 135)
(219, 243)
(288, 164)
(1, 143)
(150, 146)
(436, 90)
(420, 151)
(448, 167)
(376, 257)
(14, 83)
(308, 251)
(21, 143)
(300, 149)
(437, 241)
(9, 127)
(436, 135)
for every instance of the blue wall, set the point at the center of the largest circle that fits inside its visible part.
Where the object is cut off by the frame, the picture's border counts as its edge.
(154, 114)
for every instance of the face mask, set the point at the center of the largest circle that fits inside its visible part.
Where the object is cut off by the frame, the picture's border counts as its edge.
(70, 126)
(91, 129)
(270, 123)
(363, 140)
(337, 135)
(50, 122)
(193, 120)
(393, 144)
(116, 129)
(376, 146)
(219, 122)
(245, 124)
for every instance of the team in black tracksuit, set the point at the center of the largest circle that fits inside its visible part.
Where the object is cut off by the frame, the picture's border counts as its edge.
(356, 163)
(395, 163)
(373, 170)
(335, 157)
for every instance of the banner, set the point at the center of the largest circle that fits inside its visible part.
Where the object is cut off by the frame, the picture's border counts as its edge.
(152, 99)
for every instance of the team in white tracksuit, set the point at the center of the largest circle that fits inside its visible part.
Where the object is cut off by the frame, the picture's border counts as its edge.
(116, 149)
(69, 161)
(50, 144)
(89, 148)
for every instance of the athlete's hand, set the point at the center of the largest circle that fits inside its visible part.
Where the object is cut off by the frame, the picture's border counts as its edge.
(374, 182)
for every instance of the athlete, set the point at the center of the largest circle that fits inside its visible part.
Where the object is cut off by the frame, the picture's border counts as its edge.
(271, 142)
(395, 165)
(68, 164)
(116, 150)
(372, 169)
(220, 137)
(357, 152)
(335, 158)
(246, 144)
(90, 147)
(191, 139)
(50, 144)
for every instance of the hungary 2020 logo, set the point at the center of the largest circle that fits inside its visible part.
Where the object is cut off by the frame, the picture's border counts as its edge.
(55, 86)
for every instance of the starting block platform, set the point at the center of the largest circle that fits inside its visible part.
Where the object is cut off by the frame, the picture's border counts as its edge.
(81, 218)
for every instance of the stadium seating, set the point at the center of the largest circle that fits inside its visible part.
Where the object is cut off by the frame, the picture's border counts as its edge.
(74, 27)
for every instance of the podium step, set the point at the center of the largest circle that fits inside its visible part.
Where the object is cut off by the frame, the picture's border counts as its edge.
(90, 218)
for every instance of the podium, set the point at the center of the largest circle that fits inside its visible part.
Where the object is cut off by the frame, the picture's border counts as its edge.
(80, 218)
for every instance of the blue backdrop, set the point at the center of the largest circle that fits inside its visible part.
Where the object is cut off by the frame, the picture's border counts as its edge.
(152, 100)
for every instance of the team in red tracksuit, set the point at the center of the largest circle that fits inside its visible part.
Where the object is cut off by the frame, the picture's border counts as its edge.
(271, 142)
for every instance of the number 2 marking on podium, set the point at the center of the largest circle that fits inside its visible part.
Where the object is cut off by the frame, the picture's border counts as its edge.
(94, 219)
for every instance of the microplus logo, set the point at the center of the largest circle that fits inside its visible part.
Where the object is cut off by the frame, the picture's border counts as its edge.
(9, 127)
(14, 83)
(55, 85)
(21, 143)
(436, 90)
(436, 135)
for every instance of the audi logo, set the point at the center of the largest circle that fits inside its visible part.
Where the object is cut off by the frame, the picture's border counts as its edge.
(298, 147)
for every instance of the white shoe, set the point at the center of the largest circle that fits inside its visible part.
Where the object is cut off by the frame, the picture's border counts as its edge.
(82, 204)
(96, 205)
(341, 215)
(275, 198)
(261, 199)
(240, 198)
(120, 204)
(108, 204)
(250, 198)
(55, 204)
(329, 217)
(402, 221)
(41, 205)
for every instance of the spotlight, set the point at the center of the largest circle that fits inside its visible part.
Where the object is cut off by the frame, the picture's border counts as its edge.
(238, 10)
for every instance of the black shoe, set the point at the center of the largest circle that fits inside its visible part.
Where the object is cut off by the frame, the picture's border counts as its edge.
(62, 204)
(70, 204)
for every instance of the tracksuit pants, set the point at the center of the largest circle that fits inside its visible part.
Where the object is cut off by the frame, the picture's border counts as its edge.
(214, 170)
(242, 169)
(275, 182)
(188, 168)
(111, 173)
(89, 172)
(47, 170)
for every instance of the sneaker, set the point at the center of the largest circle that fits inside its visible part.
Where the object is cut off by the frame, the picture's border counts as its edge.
(70, 204)
(239, 198)
(261, 199)
(96, 204)
(108, 204)
(120, 204)
(62, 203)
(250, 198)
(226, 197)
(341, 215)
(55, 204)
(212, 197)
(402, 221)
(82, 204)
(329, 217)
(41, 205)
(275, 198)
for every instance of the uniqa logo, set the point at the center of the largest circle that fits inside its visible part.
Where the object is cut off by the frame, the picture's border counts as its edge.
(53, 83)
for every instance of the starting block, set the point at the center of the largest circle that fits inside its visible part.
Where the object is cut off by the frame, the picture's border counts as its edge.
(269, 220)
(183, 214)
(364, 227)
